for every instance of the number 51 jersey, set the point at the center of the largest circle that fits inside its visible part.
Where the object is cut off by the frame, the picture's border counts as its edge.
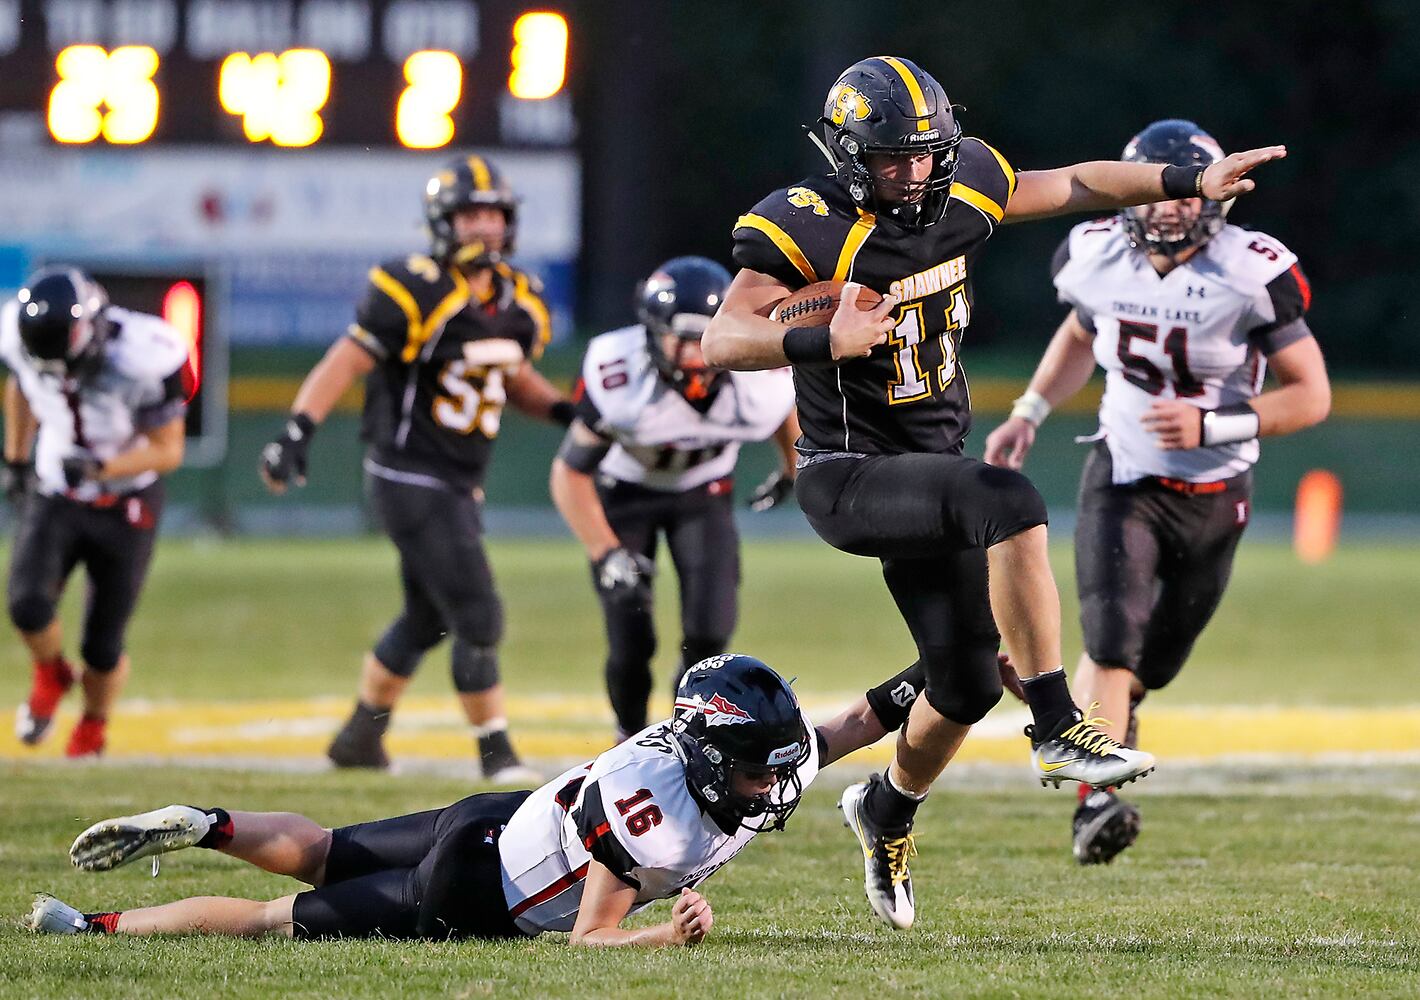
(434, 401)
(1200, 333)
(909, 394)
(631, 810)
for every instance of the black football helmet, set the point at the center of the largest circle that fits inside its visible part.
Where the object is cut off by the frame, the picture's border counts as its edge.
(886, 104)
(734, 714)
(679, 298)
(462, 183)
(63, 322)
(1183, 144)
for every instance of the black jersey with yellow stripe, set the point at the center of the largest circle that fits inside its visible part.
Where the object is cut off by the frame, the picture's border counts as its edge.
(910, 394)
(443, 352)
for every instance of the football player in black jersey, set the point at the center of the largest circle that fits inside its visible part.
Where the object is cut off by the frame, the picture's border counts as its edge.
(443, 341)
(905, 209)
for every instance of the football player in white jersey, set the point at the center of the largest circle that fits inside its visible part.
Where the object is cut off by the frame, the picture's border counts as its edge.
(1184, 313)
(94, 411)
(650, 819)
(652, 452)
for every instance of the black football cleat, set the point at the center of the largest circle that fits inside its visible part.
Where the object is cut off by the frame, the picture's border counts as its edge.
(1104, 825)
(358, 744)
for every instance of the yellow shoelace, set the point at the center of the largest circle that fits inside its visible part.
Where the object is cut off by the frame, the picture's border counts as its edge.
(1086, 735)
(898, 852)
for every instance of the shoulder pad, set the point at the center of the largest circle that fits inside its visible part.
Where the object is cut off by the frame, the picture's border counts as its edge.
(1250, 258)
(1089, 246)
(653, 785)
(416, 280)
(146, 346)
(797, 233)
(984, 180)
(618, 375)
(10, 332)
(526, 292)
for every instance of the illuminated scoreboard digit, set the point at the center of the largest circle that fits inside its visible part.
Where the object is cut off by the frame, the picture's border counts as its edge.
(416, 73)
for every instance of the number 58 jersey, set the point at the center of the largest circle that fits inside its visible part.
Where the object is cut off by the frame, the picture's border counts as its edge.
(1200, 333)
(434, 401)
(631, 810)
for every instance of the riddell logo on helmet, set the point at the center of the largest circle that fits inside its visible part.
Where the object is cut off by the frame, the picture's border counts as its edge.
(786, 755)
(923, 136)
(721, 712)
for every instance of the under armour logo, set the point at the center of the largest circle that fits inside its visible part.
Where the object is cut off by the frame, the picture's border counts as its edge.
(903, 695)
(1196, 291)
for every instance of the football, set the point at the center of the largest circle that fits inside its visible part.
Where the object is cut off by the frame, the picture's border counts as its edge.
(814, 305)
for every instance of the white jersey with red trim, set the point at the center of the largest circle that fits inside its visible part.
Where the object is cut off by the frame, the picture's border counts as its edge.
(138, 386)
(661, 440)
(1200, 333)
(631, 809)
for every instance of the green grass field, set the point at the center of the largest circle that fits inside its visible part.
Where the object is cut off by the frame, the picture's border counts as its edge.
(1254, 877)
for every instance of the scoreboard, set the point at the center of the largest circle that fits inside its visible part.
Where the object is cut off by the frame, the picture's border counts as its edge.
(419, 74)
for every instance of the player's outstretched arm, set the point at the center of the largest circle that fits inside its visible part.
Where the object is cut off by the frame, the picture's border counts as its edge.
(1106, 185)
(606, 900)
(1063, 371)
(531, 392)
(283, 460)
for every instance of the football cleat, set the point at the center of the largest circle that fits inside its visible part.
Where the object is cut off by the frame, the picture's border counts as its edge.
(512, 774)
(88, 738)
(356, 745)
(33, 718)
(886, 878)
(1079, 751)
(1104, 825)
(110, 843)
(52, 916)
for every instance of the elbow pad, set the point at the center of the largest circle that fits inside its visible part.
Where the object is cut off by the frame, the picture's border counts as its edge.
(580, 457)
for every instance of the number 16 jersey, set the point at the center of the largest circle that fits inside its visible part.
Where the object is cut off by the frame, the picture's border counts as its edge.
(1200, 333)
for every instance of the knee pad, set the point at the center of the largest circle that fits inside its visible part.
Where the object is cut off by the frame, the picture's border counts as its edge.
(963, 683)
(480, 622)
(1155, 672)
(31, 612)
(101, 655)
(402, 647)
(1016, 506)
(475, 668)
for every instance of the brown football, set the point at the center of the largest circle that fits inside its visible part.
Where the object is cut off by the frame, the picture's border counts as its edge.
(814, 305)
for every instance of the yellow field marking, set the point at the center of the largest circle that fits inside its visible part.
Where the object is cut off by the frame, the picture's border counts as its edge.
(1359, 401)
(561, 727)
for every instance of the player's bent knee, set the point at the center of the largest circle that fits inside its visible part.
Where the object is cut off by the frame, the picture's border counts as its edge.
(31, 612)
(1155, 673)
(101, 655)
(475, 668)
(968, 686)
(402, 647)
(1016, 505)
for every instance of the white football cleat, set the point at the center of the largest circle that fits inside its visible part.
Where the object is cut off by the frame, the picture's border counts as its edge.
(52, 916)
(113, 842)
(887, 882)
(1079, 751)
(514, 775)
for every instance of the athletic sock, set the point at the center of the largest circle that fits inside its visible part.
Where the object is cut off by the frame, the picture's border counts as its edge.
(888, 807)
(1048, 695)
(370, 719)
(495, 750)
(221, 832)
(103, 923)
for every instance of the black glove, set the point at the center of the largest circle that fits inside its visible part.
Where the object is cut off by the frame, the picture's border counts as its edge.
(771, 493)
(623, 576)
(80, 468)
(284, 458)
(15, 479)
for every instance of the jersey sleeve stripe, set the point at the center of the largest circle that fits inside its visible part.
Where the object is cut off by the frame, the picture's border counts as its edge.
(782, 240)
(368, 341)
(1303, 285)
(382, 280)
(441, 314)
(978, 201)
(919, 101)
(854, 241)
(1005, 169)
(537, 309)
(482, 181)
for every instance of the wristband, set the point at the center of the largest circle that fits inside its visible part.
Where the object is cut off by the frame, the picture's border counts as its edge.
(563, 412)
(300, 427)
(808, 345)
(1183, 182)
(1032, 407)
(1230, 424)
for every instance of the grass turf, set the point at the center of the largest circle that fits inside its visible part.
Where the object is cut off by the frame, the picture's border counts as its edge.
(1257, 887)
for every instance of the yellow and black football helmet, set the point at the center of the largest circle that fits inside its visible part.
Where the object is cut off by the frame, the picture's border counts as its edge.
(464, 182)
(887, 104)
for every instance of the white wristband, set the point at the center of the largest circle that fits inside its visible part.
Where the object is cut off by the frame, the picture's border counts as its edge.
(1230, 424)
(1032, 406)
